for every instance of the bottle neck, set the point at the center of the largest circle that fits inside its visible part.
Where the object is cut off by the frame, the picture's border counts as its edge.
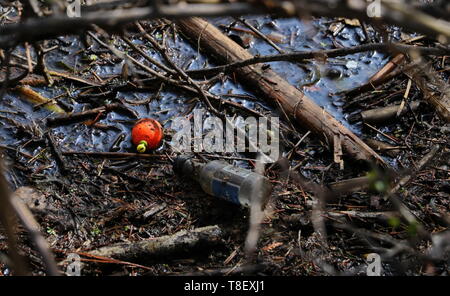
(188, 167)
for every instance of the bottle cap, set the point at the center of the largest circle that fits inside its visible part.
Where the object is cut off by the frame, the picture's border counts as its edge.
(179, 163)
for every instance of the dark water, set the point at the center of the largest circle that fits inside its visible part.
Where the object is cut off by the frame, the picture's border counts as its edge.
(346, 72)
(353, 70)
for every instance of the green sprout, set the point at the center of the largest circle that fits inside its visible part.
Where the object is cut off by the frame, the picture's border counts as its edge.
(95, 231)
(51, 231)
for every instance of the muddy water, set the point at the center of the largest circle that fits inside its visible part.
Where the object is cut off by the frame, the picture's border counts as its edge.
(319, 81)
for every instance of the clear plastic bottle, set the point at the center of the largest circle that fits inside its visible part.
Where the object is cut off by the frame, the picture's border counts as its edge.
(220, 179)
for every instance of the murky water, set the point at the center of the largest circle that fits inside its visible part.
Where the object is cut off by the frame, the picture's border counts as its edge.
(319, 81)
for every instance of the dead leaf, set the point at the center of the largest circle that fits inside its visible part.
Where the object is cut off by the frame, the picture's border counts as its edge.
(36, 98)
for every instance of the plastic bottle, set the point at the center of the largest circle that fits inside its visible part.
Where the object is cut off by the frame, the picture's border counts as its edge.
(220, 179)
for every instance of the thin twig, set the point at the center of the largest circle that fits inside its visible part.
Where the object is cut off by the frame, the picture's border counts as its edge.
(330, 53)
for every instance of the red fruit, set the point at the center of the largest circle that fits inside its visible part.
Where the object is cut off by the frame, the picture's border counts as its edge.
(147, 134)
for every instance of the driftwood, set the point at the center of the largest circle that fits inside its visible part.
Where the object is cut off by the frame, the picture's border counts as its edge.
(276, 89)
(182, 241)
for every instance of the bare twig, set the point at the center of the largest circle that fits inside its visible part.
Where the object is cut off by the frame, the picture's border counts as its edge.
(330, 53)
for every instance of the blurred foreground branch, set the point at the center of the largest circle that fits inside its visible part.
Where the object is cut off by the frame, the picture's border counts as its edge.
(10, 208)
(407, 16)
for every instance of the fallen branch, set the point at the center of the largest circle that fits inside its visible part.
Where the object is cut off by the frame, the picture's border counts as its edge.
(51, 27)
(73, 78)
(371, 85)
(404, 211)
(182, 241)
(391, 12)
(411, 18)
(100, 259)
(33, 229)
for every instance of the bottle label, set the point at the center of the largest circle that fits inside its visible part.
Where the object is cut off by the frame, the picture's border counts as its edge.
(225, 190)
